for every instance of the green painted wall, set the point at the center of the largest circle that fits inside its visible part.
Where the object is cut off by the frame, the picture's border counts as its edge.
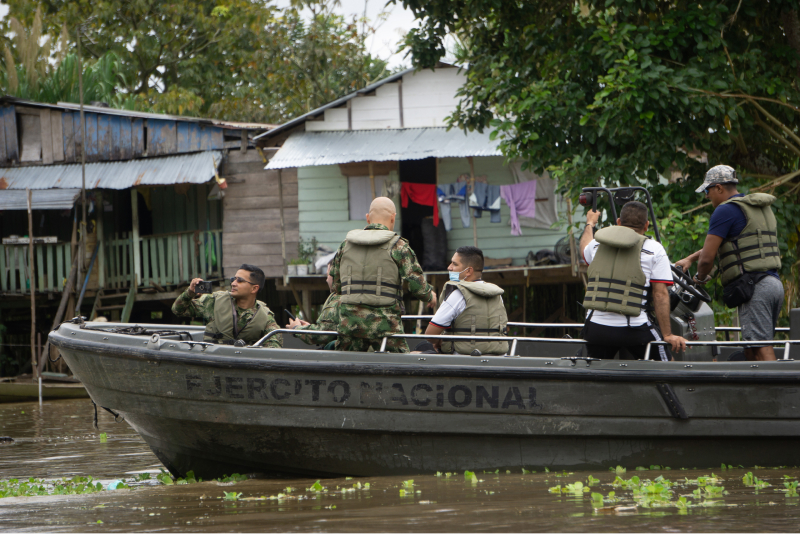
(324, 211)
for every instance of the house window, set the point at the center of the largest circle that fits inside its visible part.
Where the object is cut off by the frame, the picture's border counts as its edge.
(360, 195)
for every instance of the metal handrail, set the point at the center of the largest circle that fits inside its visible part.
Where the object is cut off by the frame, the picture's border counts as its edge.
(513, 325)
(786, 345)
(513, 340)
(580, 325)
(293, 331)
(739, 328)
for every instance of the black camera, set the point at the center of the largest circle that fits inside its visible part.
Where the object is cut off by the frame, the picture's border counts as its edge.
(203, 288)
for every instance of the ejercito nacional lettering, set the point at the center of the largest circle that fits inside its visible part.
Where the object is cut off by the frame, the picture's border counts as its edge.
(365, 393)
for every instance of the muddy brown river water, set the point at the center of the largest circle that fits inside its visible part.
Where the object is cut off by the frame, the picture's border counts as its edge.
(60, 441)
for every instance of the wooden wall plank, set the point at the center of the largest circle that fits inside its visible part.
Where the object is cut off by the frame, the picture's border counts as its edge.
(57, 130)
(47, 136)
(77, 135)
(195, 136)
(184, 137)
(125, 142)
(138, 137)
(67, 125)
(105, 139)
(10, 126)
(3, 152)
(92, 143)
(162, 137)
(115, 126)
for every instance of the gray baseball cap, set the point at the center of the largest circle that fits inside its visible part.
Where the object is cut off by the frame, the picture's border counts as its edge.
(721, 174)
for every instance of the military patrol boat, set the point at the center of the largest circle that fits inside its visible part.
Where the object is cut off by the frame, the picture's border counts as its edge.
(219, 409)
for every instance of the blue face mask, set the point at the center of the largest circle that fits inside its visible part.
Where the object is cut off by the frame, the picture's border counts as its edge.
(454, 276)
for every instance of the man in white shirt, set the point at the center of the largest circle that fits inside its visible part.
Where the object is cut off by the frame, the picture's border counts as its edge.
(605, 331)
(470, 306)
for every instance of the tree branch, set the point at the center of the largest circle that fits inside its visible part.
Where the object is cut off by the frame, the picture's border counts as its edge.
(776, 135)
(778, 123)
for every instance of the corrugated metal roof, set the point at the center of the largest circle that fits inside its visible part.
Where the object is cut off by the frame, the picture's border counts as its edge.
(330, 148)
(195, 168)
(47, 199)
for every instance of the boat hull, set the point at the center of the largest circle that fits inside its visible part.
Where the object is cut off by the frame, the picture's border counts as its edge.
(219, 410)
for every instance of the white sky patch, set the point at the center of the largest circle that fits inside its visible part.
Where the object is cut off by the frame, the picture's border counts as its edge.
(384, 43)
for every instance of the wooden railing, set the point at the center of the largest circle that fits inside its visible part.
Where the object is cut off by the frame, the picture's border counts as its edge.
(166, 259)
(52, 262)
(171, 259)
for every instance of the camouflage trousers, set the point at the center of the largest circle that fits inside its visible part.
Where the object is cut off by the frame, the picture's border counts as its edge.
(360, 344)
(361, 327)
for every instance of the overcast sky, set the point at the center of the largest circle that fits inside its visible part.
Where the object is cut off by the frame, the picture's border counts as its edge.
(384, 43)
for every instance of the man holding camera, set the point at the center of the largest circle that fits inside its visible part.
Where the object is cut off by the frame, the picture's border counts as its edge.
(231, 316)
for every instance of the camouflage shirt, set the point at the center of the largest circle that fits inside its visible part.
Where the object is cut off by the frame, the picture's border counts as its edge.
(202, 307)
(328, 320)
(375, 322)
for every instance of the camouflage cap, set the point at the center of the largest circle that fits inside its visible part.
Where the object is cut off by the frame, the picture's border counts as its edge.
(721, 174)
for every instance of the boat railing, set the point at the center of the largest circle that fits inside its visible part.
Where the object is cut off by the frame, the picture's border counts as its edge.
(293, 331)
(786, 345)
(512, 340)
(724, 329)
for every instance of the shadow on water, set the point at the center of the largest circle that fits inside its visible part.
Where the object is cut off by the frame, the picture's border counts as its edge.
(61, 442)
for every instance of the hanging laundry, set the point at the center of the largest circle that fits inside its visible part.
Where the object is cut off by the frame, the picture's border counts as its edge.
(486, 197)
(521, 200)
(422, 194)
(450, 194)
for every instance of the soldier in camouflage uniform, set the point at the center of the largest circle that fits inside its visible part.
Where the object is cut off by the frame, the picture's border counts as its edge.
(328, 320)
(253, 318)
(368, 273)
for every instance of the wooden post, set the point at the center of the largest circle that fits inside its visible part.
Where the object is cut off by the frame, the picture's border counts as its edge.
(472, 189)
(573, 250)
(83, 157)
(283, 228)
(372, 180)
(136, 273)
(34, 366)
(39, 350)
(101, 255)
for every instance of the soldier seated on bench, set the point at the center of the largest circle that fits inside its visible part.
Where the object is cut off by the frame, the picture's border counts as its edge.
(232, 315)
(470, 306)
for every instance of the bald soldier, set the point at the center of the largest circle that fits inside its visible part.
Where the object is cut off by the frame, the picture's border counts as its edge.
(368, 273)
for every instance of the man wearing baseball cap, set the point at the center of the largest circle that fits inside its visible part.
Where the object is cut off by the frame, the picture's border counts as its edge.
(744, 233)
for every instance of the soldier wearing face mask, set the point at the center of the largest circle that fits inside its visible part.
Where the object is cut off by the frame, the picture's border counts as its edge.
(470, 306)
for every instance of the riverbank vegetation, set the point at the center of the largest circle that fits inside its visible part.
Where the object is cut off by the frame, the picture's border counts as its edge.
(643, 92)
(244, 61)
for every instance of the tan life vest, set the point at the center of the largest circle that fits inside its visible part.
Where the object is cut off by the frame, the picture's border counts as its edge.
(484, 315)
(367, 271)
(756, 248)
(616, 281)
(221, 329)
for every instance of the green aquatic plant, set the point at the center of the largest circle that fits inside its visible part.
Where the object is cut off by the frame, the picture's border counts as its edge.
(626, 484)
(316, 487)
(591, 480)
(103, 437)
(791, 488)
(409, 484)
(231, 496)
(750, 480)
(141, 477)
(37, 487)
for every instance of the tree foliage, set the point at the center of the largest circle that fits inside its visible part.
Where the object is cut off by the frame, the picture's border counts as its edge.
(629, 92)
(244, 60)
